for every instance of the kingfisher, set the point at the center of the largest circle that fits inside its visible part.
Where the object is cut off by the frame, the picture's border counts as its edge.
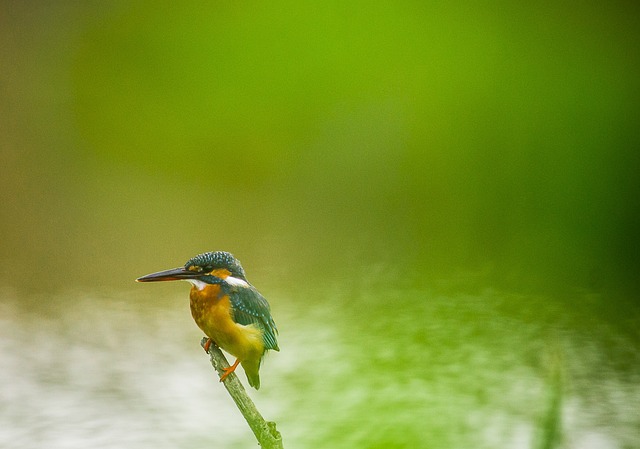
(227, 308)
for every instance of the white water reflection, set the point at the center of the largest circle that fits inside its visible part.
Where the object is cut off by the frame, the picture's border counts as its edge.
(105, 374)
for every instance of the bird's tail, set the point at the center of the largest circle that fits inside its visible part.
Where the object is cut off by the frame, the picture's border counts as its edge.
(251, 368)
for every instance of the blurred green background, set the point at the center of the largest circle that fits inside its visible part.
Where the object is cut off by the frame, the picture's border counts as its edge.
(437, 137)
(361, 159)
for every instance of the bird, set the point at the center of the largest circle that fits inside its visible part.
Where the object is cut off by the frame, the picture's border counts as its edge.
(227, 308)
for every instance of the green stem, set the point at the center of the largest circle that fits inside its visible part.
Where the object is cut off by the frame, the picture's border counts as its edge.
(265, 431)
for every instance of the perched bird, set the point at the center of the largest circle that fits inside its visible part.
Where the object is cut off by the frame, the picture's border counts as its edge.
(227, 308)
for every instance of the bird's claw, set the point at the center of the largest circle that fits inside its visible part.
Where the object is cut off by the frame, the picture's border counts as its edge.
(207, 344)
(228, 370)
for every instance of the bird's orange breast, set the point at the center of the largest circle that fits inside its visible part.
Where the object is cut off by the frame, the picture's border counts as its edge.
(211, 310)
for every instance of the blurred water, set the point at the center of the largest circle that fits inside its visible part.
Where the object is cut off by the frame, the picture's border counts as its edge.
(360, 367)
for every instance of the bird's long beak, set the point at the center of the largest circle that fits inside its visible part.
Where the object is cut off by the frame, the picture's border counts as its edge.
(174, 274)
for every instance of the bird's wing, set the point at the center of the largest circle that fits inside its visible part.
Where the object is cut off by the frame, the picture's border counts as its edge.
(250, 307)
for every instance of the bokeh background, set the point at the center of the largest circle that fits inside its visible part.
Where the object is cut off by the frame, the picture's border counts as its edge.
(441, 202)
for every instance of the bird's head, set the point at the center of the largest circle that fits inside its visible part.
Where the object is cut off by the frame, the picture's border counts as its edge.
(206, 268)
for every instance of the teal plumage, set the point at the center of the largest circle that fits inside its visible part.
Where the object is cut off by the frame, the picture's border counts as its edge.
(250, 307)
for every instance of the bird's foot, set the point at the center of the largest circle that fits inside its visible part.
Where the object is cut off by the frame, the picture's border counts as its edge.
(207, 344)
(229, 370)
